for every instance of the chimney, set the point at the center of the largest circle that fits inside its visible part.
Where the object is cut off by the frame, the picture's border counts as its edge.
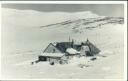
(82, 43)
(72, 43)
(87, 40)
(69, 38)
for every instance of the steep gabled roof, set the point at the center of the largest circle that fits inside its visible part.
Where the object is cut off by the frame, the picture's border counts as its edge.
(93, 48)
(46, 50)
(62, 46)
(77, 47)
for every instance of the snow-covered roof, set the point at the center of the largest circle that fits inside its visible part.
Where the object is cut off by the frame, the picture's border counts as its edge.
(72, 51)
(53, 54)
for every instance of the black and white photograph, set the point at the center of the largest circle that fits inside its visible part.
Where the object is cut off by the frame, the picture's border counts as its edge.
(63, 41)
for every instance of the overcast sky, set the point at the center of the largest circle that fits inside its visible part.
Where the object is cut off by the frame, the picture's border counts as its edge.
(100, 9)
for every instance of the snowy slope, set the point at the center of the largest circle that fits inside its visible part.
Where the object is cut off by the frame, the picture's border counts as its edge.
(80, 25)
(22, 42)
(23, 17)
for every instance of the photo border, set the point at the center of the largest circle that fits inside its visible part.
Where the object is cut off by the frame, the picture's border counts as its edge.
(75, 2)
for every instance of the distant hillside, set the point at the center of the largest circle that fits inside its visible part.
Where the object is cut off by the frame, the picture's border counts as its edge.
(37, 18)
(88, 23)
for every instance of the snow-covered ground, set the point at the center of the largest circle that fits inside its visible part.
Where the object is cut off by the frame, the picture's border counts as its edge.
(22, 43)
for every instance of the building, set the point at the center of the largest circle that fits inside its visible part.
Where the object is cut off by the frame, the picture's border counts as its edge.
(63, 51)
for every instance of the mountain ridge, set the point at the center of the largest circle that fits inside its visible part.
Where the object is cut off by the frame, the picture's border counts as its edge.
(88, 23)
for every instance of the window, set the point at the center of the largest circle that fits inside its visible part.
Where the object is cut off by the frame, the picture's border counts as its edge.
(53, 51)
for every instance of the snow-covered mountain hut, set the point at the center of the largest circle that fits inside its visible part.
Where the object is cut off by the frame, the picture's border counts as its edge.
(63, 51)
